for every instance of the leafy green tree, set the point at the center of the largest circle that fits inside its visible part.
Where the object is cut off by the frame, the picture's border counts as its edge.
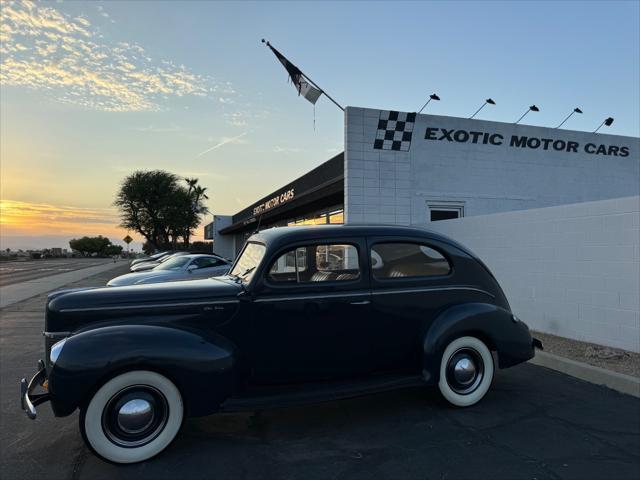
(143, 200)
(200, 246)
(112, 250)
(94, 246)
(159, 207)
(196, 196)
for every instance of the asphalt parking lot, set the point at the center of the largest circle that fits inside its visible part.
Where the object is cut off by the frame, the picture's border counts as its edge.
(534, 424)
(20, 271)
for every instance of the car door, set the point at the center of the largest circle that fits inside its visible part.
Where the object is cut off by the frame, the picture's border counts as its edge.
(411, 282)
(310, 312)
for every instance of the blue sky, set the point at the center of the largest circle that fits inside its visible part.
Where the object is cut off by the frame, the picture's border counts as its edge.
(164, 82)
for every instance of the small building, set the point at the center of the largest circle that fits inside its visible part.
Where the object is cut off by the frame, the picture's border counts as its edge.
(409, 169)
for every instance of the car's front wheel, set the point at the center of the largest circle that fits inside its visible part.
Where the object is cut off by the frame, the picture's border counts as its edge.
(132, 417)
(466, 371)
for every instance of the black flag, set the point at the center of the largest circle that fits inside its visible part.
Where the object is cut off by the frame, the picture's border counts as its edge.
(300, 82)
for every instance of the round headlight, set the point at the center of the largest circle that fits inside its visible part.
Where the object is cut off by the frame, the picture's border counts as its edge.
(55, 351)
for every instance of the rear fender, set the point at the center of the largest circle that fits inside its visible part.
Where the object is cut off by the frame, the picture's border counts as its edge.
(495, 326)
(201, 366)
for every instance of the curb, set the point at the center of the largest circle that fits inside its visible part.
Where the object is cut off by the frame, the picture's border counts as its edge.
(589, 373)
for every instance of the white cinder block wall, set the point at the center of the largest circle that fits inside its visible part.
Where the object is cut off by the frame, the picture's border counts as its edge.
(224, 245)
(570, 270)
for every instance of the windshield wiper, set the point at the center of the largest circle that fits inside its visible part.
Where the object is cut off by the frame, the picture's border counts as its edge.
(234, 276)
(247, 272)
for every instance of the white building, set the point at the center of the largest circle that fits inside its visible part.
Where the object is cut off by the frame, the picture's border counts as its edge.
(555, 212)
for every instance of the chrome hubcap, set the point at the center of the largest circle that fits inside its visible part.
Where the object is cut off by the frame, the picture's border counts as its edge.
(465, 371)
(135, 415)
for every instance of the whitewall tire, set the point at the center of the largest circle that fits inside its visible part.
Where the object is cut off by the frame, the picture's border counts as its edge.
(466, 371)
(132, 417)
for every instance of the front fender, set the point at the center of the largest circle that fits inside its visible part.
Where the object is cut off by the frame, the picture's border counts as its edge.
(200, 365)
(495, 326)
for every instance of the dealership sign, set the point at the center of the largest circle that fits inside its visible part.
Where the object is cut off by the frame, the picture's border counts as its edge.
(273, 202)
(523, 141)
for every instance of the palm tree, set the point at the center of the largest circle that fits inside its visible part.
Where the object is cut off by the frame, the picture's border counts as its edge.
(197, 194)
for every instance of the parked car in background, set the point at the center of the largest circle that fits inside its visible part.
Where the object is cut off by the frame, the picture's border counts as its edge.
(306, 314)
(180, 266)
(151, 264)
(151, 258)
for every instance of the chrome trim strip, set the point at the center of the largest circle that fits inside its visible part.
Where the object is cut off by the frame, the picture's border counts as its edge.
(313, 297)
(56, 335)
(150, 305)
(429, 289)
(373, 292)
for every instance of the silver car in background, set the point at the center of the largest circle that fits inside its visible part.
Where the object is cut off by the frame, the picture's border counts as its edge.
(178, 268)
(151, 264)
(151, 258)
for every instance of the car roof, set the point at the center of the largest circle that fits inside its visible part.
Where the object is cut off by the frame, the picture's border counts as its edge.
(278, 235)
(200, 255)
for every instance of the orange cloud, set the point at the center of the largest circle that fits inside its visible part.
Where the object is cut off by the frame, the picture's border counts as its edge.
(19, 218)
(24, 218)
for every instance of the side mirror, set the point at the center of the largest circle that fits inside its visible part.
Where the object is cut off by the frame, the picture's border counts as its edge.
(191, 268)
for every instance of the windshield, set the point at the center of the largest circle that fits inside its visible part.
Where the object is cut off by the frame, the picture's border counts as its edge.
(175, 263)
(249, 260)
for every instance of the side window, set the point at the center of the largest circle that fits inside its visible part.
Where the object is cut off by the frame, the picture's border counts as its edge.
(401, 260)
(316, 263)
(204, 262)
(288, 266)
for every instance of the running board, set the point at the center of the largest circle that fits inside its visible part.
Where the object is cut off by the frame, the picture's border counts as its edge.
(304, 394)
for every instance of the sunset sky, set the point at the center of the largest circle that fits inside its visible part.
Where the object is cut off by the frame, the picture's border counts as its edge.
(91, 91)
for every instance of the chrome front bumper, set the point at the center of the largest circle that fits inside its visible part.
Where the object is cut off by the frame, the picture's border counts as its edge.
(29, 400)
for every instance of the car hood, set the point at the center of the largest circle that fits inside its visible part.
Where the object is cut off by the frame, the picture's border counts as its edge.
(156, 302)
(137, 277)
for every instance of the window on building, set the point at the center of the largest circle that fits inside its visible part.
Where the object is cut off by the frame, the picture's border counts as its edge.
(337, 217)
(402, 260)
(332, 216)
(317, 263)
(445, 211)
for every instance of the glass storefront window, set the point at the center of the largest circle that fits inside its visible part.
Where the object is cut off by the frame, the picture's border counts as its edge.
(336, 217)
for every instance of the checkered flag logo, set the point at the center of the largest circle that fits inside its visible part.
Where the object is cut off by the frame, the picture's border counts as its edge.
(394, 131)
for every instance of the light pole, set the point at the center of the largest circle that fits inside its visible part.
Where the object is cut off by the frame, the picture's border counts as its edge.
(532, 108)
(433, 96)
(487, 101)
(607, 122)
(575, 110)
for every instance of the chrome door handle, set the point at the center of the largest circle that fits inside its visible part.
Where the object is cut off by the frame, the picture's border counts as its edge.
(364, 302)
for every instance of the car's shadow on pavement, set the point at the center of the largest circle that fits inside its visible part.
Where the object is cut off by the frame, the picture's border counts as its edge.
(534, 423)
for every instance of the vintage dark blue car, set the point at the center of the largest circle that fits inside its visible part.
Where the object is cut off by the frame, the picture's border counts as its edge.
(306, 314)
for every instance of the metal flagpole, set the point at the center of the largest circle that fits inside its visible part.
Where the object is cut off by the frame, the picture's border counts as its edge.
(311, 81)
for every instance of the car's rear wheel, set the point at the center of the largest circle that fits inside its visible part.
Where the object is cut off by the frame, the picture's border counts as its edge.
(132, 417)
(466, 371)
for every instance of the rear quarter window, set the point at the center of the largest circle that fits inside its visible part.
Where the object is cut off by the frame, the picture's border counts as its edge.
(406, 260)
